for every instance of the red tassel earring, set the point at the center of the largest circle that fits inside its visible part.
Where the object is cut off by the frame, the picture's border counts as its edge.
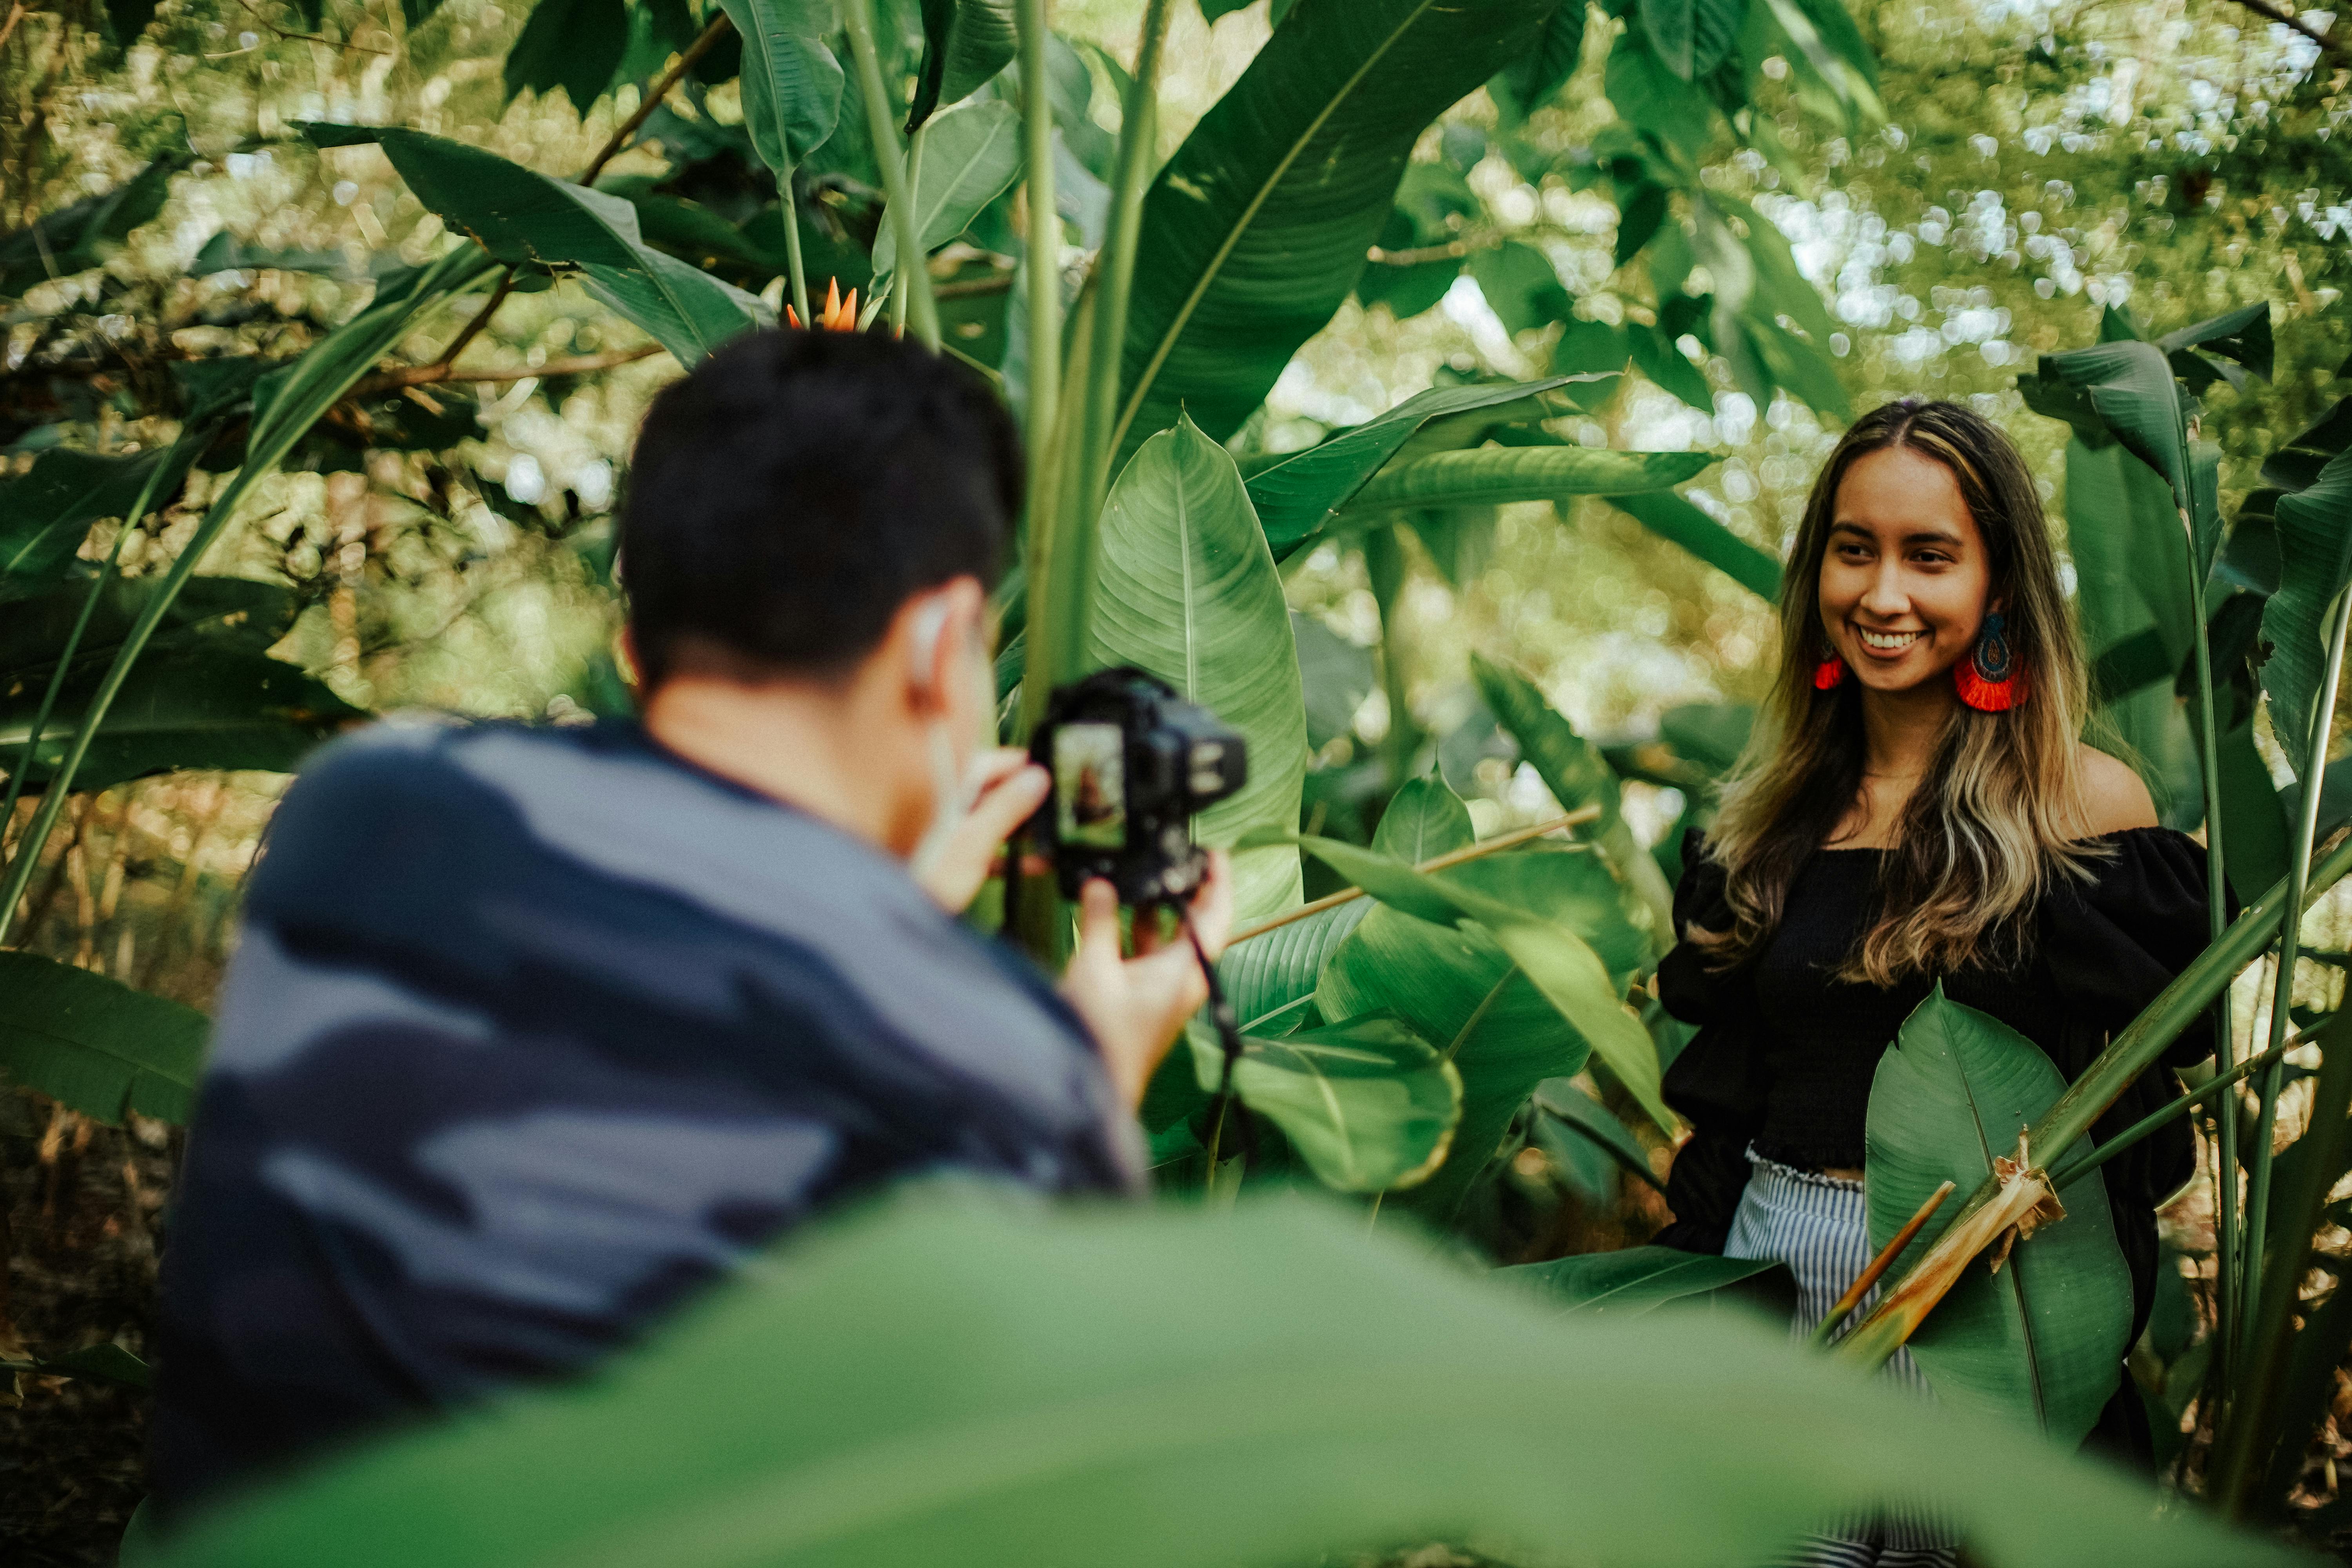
(1990, 679)
(1829, 673)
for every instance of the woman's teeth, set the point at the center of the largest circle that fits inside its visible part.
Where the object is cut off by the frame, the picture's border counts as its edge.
(1886, 642)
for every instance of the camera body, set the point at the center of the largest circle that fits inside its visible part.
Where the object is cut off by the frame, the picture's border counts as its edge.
(1131, 761)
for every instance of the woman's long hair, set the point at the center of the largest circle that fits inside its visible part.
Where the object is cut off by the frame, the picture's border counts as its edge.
(2000, 807)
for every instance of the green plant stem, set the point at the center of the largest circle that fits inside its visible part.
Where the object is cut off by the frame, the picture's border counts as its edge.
(2248, 1432)
(25, 759)
(1044, 240)
(794, 266)
(2144, 1039)
(2217, 916)
(1384, 564)
(1115, 266)
(2306, 828)
(902, 286)
(857, 19)
(2090, 1159)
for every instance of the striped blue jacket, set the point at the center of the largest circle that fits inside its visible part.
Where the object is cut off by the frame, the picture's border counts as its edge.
(531, 1033)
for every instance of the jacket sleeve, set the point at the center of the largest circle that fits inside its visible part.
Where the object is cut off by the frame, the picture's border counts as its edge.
(1719, 1080)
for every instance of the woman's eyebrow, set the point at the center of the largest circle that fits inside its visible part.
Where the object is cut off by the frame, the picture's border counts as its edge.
(1917, 536)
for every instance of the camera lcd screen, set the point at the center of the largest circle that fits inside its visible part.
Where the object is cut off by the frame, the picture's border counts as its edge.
(1090, 784)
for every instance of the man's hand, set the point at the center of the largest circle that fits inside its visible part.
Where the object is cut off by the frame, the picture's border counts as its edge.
(1005, 789)
(1137, 1007)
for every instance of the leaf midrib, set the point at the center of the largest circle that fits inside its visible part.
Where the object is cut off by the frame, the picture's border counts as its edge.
(1249, 216)
(2016, 1260)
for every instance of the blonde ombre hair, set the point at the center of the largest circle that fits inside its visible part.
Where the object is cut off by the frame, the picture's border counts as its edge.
(2000, 808)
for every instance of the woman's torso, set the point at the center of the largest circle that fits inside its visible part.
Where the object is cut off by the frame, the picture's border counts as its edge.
(1821, 1036)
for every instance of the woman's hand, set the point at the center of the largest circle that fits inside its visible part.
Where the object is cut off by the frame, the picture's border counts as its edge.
(1137, 1007)
(1005, 789)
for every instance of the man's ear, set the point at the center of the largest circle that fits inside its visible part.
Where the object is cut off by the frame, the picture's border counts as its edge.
(939, 627)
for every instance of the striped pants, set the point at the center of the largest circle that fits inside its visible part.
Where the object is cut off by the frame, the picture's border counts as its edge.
(1818, 1226)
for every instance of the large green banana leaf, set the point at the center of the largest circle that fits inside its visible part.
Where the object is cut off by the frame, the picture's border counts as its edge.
(1677, 521)
(1298, 497)
(1578, 776)
(45, 514)
(1254, 232)
(1636, 1281)
(1368, 1103)
(1492, 476)
(970, 154)
(970, 1384)
(2042, 1341)
(520, 216)
(791, 82)
(1572, 975)
(2122, 531)
(1563, 1101)
(2131, 390)
(1186, 589)
(575, 45)
(965, 42)
(1270, 979)
(1458, 986)
(2314, 536)
(184, 708)
(96, 1043)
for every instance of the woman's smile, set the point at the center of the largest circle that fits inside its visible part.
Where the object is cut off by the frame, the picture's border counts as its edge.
(1886, 644)
(1904, 579)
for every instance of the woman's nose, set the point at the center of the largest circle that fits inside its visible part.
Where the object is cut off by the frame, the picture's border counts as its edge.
(1884, 596)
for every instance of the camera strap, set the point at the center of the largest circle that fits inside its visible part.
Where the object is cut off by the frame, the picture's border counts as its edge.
(1229, 1037)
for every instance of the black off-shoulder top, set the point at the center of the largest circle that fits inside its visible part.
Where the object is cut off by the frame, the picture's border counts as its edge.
(1784, 1054)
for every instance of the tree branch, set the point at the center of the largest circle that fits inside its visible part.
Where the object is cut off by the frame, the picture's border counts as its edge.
(2327, 45)
(481, 319)
(655, 94)
(1451, 250)
(426, 375)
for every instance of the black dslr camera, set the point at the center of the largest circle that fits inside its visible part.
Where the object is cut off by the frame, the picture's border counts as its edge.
(1132, 760)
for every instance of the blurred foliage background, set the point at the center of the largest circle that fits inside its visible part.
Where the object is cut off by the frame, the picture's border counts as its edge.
(2038, 164)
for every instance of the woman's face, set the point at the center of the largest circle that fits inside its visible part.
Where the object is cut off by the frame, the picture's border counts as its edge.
(1905, 583)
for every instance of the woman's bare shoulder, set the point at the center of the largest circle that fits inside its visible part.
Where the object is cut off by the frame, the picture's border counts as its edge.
(2116, 796)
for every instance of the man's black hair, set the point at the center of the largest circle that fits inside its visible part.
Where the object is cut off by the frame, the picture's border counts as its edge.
(789, 495)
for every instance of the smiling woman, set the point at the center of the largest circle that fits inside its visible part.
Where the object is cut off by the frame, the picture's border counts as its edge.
(1917, 812)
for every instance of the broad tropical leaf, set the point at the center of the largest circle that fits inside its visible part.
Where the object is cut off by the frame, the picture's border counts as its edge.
(575, 45)
(519, 216)
(1366, 1102)
(2131, 389)
(1423, 820)
(188, 708)
(1336, 674)
(230, 612)
(45, 515)
(1562, 964)
(1298, 497)
(965, 42)
(792, 83)
(1529, 83)
(2315, 535)
(1641, 1280)
(2041, 1342)
(1561, 1099)
(1186, 589)
(95, 1044)
(984, 1383)
(1576, 773)
(1492, 476)
(971, 156)
(1678, 521)
(1270, 979)
(2123, 530)
(1255, 231)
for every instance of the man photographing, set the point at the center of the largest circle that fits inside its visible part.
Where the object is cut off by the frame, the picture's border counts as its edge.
(533, 1032)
